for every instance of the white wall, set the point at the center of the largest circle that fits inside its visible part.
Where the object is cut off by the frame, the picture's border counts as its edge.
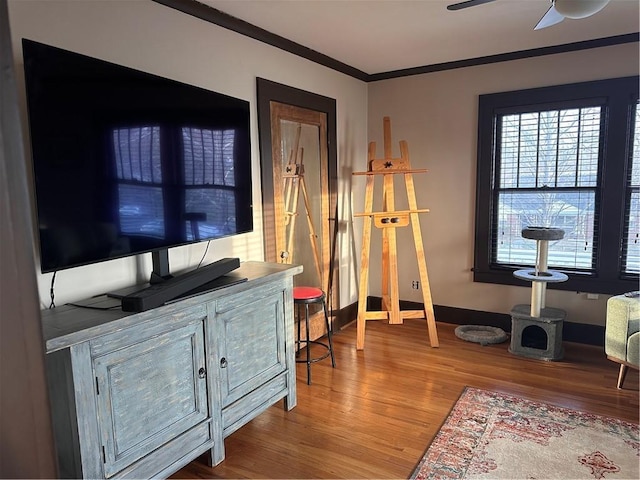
(151, 37)
(436, 114)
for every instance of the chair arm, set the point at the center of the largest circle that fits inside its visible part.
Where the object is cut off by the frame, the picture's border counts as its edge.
(622, 321)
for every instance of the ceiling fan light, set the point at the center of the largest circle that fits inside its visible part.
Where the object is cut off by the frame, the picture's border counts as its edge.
(579, 8)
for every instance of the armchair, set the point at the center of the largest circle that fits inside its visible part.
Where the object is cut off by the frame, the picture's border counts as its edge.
(622, 332)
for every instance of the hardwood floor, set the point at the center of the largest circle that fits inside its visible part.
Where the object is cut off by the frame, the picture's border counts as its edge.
(377, 411)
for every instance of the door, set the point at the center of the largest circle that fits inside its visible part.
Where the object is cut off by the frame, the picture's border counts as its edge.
(250, 341)
(149, 393)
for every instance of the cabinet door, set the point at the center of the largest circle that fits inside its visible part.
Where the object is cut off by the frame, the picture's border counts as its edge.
(150, 392)
(250, 341)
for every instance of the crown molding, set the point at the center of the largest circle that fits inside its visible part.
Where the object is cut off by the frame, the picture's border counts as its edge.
(217, 17)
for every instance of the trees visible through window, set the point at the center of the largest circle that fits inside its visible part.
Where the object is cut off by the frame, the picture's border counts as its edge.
(548, 170)
(564, 157)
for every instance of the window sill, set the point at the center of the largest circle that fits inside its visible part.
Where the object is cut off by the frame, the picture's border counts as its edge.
(576, 282)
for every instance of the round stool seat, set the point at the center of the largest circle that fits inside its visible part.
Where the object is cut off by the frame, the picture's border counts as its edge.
(307, 294)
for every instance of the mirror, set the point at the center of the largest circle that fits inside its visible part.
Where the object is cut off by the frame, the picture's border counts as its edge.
(299, 165)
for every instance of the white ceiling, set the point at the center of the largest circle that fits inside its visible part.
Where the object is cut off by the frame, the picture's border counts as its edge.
(377, 36)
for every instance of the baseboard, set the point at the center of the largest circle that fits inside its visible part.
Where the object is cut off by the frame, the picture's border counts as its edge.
(571, 332)
(345, 316)
(583, 333)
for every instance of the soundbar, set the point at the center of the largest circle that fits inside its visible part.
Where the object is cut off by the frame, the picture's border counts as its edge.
(161, 293)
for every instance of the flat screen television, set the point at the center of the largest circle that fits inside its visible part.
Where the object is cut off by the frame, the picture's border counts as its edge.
(126, 162)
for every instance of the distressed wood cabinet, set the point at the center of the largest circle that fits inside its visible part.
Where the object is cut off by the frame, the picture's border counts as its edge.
(139, 395)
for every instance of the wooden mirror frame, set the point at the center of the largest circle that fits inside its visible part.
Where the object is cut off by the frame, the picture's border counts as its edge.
(269, 91)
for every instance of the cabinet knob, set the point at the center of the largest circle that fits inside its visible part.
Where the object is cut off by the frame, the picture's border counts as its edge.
(202, 372)
(223, 362)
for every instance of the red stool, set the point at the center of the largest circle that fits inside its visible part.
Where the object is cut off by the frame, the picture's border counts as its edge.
(306, 296)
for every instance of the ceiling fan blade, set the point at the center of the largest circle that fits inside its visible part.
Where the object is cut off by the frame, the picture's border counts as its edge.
(467, 4)
(552, 17)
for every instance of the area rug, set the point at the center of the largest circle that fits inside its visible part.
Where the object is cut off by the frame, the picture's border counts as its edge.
(491, 435)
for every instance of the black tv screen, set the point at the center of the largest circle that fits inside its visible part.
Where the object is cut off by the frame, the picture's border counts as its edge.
(126, 162)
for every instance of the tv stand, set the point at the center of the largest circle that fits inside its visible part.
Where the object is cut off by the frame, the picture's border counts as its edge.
(140, 395)
(154, 279)
(160, 262)
(160, 293)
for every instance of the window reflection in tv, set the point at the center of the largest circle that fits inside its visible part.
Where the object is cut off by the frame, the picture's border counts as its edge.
(127, 162)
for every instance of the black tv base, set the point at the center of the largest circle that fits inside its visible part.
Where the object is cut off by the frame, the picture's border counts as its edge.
(158, 294)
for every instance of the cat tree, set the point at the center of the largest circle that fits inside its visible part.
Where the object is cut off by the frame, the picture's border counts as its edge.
(537, 316)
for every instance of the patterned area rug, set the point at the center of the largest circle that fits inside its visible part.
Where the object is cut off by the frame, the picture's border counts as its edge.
(492, 435)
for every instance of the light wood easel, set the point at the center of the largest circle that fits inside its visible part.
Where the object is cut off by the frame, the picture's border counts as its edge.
(293, 185)
(388, 220)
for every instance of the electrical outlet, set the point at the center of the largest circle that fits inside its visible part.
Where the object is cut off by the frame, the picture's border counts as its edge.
(592, 296)
(415, 284)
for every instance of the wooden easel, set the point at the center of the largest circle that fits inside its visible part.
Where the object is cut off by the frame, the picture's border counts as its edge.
(388, 220)
(293, 185)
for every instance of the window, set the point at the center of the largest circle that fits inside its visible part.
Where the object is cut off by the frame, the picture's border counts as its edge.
(210, 182)
(631, 245)
(139, 174)
(565, 157)
(204, 188)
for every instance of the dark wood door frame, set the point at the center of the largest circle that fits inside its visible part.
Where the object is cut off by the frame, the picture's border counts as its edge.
(272, 93)
(269, 91)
